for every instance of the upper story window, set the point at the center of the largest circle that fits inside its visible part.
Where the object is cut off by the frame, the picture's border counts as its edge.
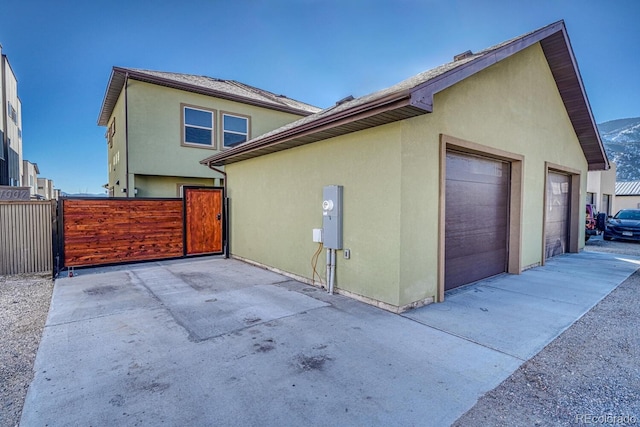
(111, 131)
(197, 126)
(235, 129)
(13, 114)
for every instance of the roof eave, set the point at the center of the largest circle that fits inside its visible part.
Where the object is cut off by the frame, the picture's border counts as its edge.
(564, 67)
(111, 95)
(118, 76)
(557, 49)
(403, 104)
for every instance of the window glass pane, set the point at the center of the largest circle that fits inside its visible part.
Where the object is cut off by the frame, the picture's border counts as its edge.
(233, 139)
(197, 136)
(235, 124)
(198, 117)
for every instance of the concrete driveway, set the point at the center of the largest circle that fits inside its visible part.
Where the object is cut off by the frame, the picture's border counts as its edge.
(210, 341)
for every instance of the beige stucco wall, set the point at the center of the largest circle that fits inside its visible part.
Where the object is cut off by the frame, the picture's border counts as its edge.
(30, 177)
(626, 202)
(391, 184)
(603, 183)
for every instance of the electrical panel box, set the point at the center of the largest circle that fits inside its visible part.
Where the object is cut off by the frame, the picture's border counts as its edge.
(332, 216)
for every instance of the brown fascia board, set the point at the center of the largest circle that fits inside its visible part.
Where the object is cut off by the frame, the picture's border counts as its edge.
(573, 94)
(575, 99)
(144, 77)
(111, 95)
(421, 96)
(392, 102)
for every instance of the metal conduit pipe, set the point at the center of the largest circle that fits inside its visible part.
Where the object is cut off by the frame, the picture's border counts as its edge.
(328, 274)
(333, 271)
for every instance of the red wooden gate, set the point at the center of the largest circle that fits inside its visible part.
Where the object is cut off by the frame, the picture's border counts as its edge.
(98, 231)
(203, 220)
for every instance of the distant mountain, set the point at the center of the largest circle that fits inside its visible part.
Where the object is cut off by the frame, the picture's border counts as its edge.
(621, 139)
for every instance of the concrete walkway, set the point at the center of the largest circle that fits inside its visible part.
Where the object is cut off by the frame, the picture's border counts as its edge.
(210, 341)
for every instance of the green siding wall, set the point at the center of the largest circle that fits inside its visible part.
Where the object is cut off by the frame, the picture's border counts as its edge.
(155, 135)
(167, 186)
(155, 129)
(390, 176)
(117, 170)
(276, 203)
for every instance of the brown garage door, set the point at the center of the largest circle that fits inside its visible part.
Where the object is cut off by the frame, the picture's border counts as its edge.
(557, 216)
(477, 218)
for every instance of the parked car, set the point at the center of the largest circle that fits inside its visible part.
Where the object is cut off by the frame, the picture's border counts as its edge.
(624, 225)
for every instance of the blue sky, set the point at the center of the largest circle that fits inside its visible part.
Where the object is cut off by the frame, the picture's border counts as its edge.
(317, 51)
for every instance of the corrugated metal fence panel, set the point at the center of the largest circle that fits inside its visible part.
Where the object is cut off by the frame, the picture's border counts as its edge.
(25, 237)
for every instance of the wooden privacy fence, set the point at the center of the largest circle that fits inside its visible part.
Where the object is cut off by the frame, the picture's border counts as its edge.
(108, 231)
(25, 237)
(103, 231)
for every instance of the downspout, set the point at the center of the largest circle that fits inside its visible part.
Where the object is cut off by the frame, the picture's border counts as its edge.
(126, 132)
(226, 209)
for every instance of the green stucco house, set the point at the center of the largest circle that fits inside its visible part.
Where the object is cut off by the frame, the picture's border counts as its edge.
(160, 124)
(475, 168)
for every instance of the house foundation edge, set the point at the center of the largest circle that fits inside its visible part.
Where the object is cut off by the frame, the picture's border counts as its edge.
(370, 301)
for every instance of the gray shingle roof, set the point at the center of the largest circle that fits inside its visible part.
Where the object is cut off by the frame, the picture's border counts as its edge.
(628, 188)
(221, 88)
(414, 96)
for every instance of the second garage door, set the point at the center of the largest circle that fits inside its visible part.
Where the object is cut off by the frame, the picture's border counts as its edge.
(477, 218)
(556, 227)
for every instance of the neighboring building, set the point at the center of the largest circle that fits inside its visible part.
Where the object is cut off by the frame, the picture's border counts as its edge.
(627, 195)
(601, 189)
(469, 170)
(30, 174)
(159, 125)
(45, 189)
(10, 126)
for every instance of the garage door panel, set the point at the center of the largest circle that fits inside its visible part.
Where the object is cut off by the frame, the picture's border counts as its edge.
(464, 244)
(557, 214)
(476, 218)
(484, 265)
(481, 195)
(476, 169)
(485, 222)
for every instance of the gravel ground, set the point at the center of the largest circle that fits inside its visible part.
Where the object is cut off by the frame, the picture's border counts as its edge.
(24, 305)
(589, 373)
